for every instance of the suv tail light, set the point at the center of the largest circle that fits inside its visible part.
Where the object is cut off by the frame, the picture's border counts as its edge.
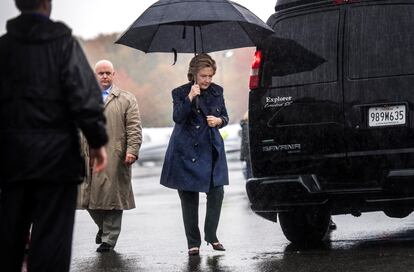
(254, 74)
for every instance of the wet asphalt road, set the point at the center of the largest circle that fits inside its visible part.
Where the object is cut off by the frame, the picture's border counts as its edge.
(152, 237)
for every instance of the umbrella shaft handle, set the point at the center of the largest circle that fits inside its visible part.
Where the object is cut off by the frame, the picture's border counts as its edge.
(197, 102)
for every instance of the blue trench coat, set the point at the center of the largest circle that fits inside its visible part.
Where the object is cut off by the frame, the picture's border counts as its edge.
(188, 163)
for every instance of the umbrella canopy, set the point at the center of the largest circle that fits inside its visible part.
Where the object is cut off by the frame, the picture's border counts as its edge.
(288, 57)
(194, 26)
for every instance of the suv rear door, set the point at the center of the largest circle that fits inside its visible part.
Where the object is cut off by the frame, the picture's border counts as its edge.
(379, 87)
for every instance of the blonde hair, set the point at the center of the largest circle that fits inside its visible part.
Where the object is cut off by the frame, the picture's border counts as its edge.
(199, 62)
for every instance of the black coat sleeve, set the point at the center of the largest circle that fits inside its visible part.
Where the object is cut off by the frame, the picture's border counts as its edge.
(181, 105)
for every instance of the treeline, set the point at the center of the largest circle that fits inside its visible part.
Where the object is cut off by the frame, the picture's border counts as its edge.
(151, 77)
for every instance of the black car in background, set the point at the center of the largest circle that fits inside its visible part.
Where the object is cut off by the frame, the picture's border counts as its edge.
(331, 108)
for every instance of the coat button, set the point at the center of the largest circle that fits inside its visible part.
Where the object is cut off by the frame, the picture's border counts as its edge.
(198, 111)
(196, 144)
(217, 110)
(193, 160)
(197, 127)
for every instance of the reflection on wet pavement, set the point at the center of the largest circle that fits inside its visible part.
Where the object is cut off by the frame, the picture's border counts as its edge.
(152, 238)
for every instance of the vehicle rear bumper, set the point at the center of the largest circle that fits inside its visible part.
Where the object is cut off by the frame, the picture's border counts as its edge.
(280, 194)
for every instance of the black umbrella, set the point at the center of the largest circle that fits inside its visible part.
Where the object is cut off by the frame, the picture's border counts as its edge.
(288, 57)
(194, 26)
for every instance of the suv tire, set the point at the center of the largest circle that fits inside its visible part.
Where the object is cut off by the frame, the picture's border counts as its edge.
(305, 226)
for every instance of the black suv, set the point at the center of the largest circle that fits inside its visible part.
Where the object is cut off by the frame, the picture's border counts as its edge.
(331, 108)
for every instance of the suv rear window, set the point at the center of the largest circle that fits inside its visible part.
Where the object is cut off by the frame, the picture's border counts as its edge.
(317, 33)
(381, 40)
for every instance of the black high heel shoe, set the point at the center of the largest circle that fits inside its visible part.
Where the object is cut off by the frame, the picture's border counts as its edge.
(194, 251)
(217, 246)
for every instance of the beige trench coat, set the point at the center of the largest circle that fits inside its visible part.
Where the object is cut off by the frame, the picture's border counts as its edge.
(112, 188)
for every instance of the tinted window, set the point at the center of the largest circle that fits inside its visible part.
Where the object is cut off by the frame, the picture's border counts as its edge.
(312, 58)
(381, 41)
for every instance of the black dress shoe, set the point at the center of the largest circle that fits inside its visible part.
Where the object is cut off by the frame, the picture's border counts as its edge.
(104, 247)
(332, 225)
(98, 238)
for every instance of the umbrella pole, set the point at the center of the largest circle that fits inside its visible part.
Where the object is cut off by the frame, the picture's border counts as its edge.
(195, 76)
(197, 102)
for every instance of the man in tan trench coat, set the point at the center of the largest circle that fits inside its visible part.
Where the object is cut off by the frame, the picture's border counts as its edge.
(105, 195)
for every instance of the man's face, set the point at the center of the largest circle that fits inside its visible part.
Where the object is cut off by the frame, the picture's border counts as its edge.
(205, 77)
(105, 75)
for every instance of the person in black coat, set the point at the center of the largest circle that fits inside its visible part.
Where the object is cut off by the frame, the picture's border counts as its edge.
(195, 160)
(47, 92)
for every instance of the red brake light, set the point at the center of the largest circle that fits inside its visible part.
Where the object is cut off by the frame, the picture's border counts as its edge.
(257, 59)
(254, 75)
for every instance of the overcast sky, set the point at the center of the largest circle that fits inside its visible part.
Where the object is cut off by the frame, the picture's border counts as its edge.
(88, 18)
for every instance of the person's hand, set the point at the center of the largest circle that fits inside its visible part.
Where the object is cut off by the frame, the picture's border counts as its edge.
(130, 159)
(213, 121)
(98, 159)
(195, 90)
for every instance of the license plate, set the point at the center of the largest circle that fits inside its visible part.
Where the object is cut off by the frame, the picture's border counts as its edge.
(386, 116)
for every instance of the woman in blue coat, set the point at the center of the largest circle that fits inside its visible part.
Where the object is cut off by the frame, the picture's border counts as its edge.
(195, 160)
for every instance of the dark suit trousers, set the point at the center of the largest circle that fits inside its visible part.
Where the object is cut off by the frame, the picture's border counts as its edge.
(189, 207)
(50, 210)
